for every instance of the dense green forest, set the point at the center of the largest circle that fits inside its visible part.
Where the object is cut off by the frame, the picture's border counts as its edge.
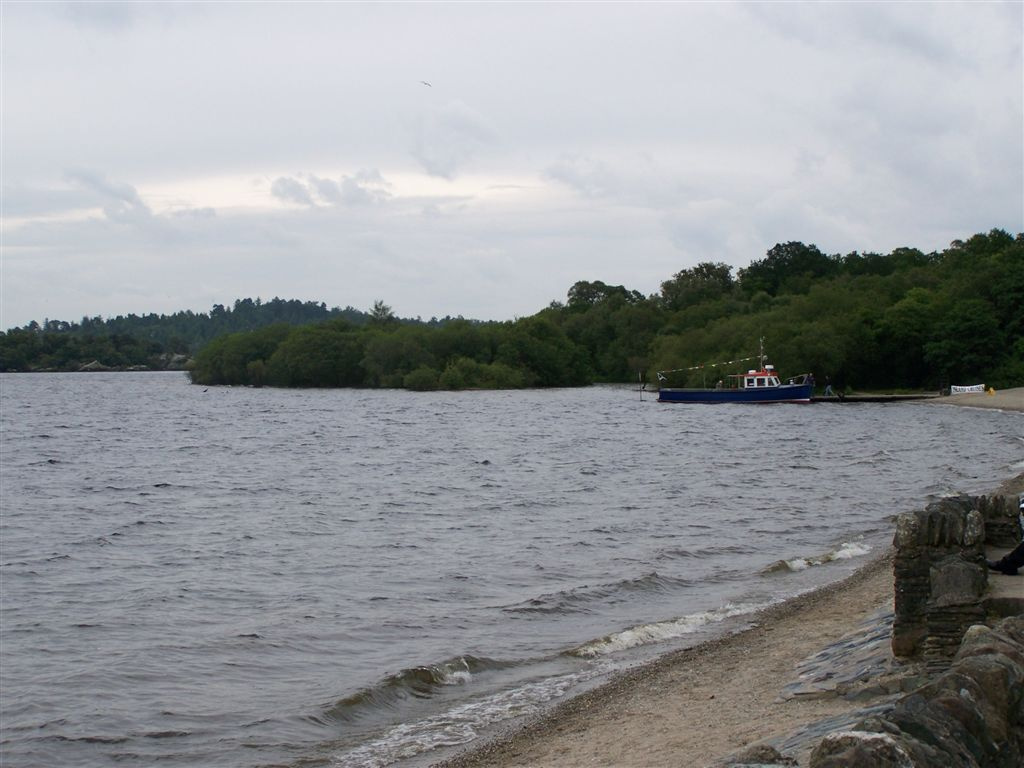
(904, 320)
(150, 341)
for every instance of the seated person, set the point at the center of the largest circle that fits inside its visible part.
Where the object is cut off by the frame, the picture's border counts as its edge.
(1009, 564)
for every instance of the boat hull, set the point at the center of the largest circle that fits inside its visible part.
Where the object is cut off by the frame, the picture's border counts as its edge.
(787, 393)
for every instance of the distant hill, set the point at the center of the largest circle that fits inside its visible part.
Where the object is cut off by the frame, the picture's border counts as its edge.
(151, 341)
(162, 342)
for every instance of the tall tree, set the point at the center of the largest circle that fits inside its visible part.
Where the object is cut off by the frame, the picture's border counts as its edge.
(704, 282)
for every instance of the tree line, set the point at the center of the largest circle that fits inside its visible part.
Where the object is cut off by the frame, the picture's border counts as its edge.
(150, 340)
(903, 320)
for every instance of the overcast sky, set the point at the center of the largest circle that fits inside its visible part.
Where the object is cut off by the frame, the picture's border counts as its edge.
(166, 156)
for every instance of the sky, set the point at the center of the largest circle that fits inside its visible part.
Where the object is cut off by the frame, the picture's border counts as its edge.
(478, 159)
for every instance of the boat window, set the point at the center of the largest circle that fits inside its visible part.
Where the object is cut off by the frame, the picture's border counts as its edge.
(760, 381)
(774, 382)
(750, 382)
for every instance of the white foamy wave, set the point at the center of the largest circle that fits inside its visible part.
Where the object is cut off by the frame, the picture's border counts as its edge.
(846, 551)
(851, 549)
(460, 724)
(658, 632)
(457, 677)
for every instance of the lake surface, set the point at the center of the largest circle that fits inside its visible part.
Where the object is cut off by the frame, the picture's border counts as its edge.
(251, 577)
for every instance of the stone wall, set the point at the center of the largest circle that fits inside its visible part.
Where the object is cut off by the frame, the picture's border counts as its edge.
(971, 715)
(939, 571)
(1002, 520)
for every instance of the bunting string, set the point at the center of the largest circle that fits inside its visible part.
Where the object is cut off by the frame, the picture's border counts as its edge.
(662, 374)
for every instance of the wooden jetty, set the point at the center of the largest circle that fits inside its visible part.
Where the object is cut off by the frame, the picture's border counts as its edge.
(874, 398)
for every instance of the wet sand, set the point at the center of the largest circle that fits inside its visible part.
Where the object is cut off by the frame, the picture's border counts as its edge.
(697, 706)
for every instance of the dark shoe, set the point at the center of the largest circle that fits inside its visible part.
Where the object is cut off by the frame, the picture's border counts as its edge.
(1002, 567)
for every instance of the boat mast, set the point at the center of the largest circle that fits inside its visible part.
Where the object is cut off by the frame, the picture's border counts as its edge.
(761, 354)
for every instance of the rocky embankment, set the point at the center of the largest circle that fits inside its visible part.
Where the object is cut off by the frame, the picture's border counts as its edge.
(970, 715)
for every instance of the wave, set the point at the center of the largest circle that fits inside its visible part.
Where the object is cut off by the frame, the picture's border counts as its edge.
(846, 551)
(460, 724)
(670, 553)
(579, 599)
(660, 631)
(414, 682)
(880, 456)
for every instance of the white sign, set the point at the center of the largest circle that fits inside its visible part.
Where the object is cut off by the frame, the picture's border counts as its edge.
(955, 390)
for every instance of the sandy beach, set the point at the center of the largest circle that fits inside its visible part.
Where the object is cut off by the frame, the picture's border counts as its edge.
(1005, 399)
(698, 706)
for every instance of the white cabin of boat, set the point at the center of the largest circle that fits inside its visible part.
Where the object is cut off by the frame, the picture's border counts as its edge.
(762, 379)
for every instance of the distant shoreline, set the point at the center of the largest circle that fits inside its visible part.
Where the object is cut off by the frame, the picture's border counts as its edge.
(1003, 399)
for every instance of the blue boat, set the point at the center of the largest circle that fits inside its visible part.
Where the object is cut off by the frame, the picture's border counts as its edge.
(760, 385)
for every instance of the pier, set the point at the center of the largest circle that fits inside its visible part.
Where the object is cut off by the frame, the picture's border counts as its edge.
(874, 398)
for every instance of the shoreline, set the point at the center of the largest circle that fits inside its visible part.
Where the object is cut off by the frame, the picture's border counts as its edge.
(1003, 399)
(697, 706)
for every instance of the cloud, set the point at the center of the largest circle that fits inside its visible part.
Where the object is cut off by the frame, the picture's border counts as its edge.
(326, 189)
(194, 213)
(366, 187)
(41, 200)
(291, 190)
(559, 142)
(108, 16)
(120, 202)
(915, 32)
(449, 138)
(589, 177)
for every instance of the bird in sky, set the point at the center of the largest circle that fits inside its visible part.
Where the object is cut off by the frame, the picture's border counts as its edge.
(426, 83)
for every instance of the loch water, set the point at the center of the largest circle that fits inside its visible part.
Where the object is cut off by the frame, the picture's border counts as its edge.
(248, 577)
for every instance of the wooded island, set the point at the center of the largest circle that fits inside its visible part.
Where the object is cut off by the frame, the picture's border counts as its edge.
(903, 320)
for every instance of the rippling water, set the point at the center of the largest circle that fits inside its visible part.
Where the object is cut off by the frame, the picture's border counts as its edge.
(244, 577)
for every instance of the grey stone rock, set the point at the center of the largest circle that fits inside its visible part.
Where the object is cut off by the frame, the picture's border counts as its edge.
(972, 715)
(1001, 514)
(760, 755)
(954, 581)
(908, 531)
(860, 748)
(974, 532)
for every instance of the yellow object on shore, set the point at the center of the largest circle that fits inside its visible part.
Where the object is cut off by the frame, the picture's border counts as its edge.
(991, 391)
